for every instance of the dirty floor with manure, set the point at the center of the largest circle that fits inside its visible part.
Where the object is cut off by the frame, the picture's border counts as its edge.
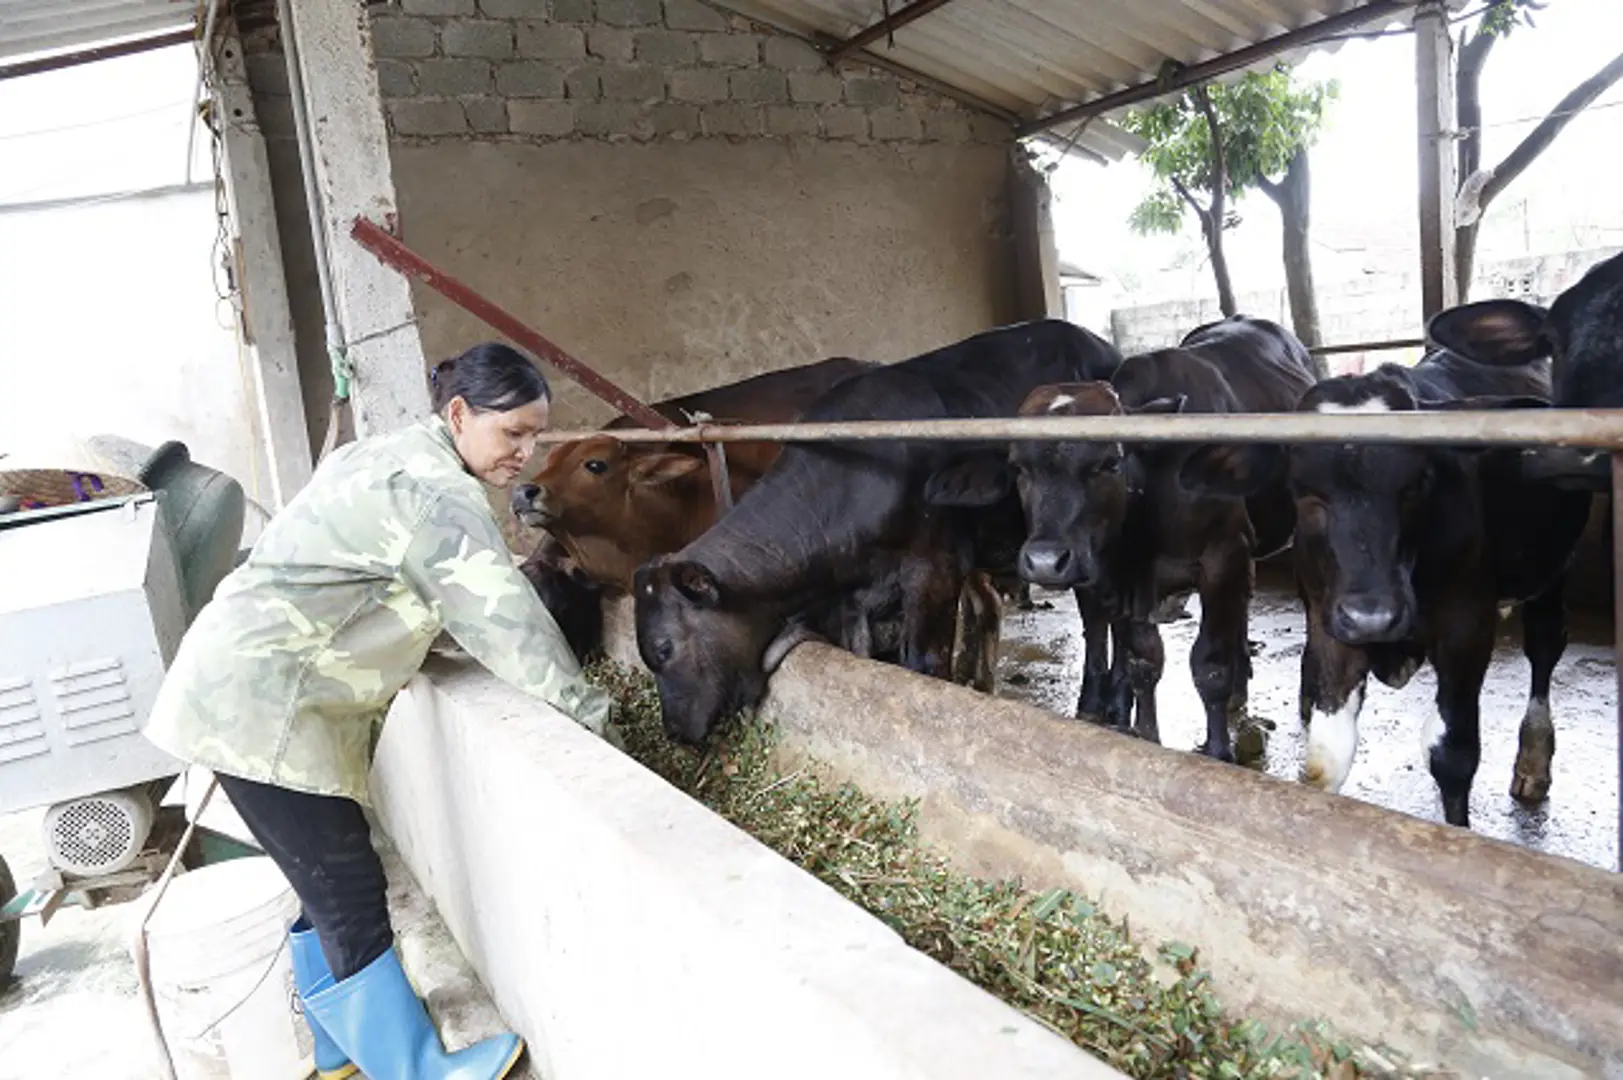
(1041, 663)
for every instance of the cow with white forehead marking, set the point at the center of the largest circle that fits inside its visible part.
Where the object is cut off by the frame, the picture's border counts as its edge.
(1108, 520)
(1404, 554)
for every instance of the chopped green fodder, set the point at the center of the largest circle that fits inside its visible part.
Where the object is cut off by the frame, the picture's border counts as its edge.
(1052, 955)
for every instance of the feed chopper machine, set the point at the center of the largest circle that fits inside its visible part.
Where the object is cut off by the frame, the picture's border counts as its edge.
(99, 579)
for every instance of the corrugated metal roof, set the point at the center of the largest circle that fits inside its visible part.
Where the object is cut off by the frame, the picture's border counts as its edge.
(32, 27)
(1034, 57)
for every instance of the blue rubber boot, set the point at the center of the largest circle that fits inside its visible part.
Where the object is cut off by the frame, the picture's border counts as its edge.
(311, 974)
(378, 1020)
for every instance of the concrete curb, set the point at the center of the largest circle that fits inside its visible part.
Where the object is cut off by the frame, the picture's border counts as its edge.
(626, 931)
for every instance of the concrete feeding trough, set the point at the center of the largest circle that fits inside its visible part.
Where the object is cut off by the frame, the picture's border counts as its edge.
(585, 890)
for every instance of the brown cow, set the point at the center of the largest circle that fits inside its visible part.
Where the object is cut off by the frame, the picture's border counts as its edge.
(612, 506)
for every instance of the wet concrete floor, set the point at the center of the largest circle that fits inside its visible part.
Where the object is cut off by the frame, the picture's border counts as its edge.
(1041, 663)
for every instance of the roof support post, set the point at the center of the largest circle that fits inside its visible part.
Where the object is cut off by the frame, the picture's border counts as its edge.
(264, 315)
(1434, 83)
(1036, 254)
(348, 144)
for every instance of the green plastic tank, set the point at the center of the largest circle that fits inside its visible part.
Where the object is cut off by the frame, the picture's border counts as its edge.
(205, 510)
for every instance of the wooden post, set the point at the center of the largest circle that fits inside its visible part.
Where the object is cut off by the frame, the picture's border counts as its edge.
(265, 318)
(1036, 271)
(1434, 84)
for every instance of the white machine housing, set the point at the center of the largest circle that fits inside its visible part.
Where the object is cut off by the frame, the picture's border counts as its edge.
(91, 613)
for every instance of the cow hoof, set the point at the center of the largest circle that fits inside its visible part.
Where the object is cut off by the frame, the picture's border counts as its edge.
(1528, 788)
(1250, 744)
(1531, 781)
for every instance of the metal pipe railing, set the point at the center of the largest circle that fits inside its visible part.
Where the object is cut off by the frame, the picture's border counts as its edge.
(1601, 429)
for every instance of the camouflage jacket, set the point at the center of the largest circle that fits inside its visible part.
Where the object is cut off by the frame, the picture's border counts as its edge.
(285, 674)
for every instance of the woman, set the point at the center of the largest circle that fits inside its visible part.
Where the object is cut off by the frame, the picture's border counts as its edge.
(284, 676)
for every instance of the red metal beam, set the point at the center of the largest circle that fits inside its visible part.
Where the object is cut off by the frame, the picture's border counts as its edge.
(916, 10)
(391, 252)
(99, 52)
(1222, 65)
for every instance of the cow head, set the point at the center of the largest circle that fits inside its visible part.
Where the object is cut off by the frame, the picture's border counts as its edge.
(1364, 511)
(600, 495)
(1582, 333)
(709, 649)
(1075, 494)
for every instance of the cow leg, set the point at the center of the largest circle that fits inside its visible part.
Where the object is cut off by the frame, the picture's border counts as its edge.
(1333, 680)
(1218, 659)
(1464, 648)
(1146, 657)
(1093, 704)
(1544, 639)
(980, 628)
(930, 591)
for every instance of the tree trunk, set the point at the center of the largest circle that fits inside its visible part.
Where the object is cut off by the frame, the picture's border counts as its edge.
(1211, 227)
(1469, 111)
(1211, 224)
(1293, 195)
(1473, 53)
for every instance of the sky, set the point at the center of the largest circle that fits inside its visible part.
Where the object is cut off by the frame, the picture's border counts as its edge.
(115, 125)
(1365, 193)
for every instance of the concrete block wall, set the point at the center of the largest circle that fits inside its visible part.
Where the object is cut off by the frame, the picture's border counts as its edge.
(1376, 307)
(642, 70)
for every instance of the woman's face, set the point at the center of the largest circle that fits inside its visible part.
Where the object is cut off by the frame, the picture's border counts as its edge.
(495, 445)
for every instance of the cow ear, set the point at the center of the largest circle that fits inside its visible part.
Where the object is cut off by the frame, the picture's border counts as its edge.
(663, 468)
(975, 480)
(1232, 469)
(1503, 333)
(1172, 404)
(697, 583)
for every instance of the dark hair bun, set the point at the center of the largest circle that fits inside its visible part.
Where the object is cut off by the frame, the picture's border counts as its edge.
(492, 378)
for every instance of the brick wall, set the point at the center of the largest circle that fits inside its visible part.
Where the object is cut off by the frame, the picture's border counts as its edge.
(636, 70)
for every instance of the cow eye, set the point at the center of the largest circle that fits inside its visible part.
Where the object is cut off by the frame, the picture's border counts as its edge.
(1110, 465)
(596, 466)
(663, 651)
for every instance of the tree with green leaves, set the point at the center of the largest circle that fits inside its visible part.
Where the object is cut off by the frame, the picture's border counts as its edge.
(1212, 144)
(1479, 186)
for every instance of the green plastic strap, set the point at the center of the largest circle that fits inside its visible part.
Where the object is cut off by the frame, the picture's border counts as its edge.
(341, 372)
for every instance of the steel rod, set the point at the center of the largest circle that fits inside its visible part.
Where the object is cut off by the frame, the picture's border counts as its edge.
(1617, 631)
(916, 10)
(1597, 428)
(1221, 65)
(58, 61)
(391, 252)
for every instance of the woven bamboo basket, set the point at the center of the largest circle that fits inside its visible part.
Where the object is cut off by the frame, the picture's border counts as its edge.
(35, 489)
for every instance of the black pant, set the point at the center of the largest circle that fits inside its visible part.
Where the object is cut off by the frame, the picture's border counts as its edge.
(324, 847)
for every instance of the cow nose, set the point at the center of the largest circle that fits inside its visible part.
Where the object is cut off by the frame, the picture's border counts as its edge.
(1367, 618)
(1053, 565)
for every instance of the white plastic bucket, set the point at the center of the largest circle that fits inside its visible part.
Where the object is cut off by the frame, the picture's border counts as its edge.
(222, 974)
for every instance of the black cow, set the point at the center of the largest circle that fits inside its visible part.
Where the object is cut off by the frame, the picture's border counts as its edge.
(1110, 521)
(831, 520)
(1404, 554)
(1582, 331)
